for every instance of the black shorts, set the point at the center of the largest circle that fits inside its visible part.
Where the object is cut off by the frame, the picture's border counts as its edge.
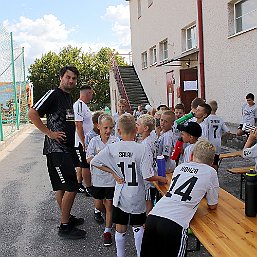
(161, 233)
(124, 218)
(62, 171)
(103, 193)
(81, 160)
(150, 194)
(216, 159)
(244, 132)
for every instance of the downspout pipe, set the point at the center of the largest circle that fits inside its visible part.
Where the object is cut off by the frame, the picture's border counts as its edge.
(201, 47)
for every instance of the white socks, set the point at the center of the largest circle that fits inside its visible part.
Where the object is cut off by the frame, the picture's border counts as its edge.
(120, 244)
(107, 230)
(138, 236)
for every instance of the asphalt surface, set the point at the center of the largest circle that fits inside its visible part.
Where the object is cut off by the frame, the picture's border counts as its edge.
(29, 214)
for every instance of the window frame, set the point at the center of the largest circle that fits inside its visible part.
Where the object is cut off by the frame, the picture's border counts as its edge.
(144, 61)
(150, 2)
(153, 55)
(139, 9)
(186, 37)
(163, 53)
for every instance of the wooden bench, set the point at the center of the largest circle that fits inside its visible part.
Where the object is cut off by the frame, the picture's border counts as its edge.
(241, 171)
(230, 155)
(225, 231)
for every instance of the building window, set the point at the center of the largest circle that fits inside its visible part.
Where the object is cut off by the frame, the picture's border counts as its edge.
(245, 15)
(138, 8)
(191, 37)
(150, 2)
(153, 55)
(164, 50)
(144, 60)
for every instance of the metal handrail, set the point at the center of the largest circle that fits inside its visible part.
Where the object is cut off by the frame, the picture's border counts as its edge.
(119, 81)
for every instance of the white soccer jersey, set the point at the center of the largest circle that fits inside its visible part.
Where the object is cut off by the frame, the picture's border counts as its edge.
(251, 152)
(100, 178)
(190, 182)
(82, 113)
(89, 136)
(130, 161)
(204, 127)
(187, 153)
(249, 114)
(165, 146)
(216, 127)
(176, 132)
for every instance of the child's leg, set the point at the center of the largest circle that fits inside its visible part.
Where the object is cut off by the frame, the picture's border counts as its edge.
(138, 236)
(149, 206)
(120, 236)
(108, 217)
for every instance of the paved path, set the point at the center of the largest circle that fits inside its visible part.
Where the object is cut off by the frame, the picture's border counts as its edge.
(28, 211)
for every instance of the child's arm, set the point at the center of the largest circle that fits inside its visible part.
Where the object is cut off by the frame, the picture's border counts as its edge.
(251, 138)
(107, 169)
(158, 178)
(212, 194)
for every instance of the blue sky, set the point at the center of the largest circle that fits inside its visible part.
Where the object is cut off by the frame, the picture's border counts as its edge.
(44, 25)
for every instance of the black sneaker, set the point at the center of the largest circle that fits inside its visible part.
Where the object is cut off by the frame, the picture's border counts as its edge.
(98, 217)
(107, 239)
(73, 221)
(71, 232)
(81, 189)
(88, 191)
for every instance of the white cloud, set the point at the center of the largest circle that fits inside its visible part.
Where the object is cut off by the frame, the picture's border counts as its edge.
(120, 16)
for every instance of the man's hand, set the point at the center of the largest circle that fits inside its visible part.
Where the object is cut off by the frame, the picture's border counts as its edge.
(57, 135)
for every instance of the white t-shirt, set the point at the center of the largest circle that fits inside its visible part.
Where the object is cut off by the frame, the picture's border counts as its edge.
(190, 182)
(83, 114)
(187, 153)
(249, 114)
(165, 146)
(130, 161)
(251, 152)
(216, 127)
(100, 178)
(204, 127)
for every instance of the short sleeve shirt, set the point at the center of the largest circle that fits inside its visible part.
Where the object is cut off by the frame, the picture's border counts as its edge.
(249, 114)
(57, 106)
(83, 114)
(190, 182)
(251, 152)
(130, 161)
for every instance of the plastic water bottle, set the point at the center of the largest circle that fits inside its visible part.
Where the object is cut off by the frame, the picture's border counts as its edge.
(161, 166)
(107, 110)
(185, 118)
(251, 193)
(177, 149)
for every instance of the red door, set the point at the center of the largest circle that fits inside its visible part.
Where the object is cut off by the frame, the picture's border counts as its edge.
(188, 88)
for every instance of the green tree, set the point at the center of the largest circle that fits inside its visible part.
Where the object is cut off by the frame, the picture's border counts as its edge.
(93, 67)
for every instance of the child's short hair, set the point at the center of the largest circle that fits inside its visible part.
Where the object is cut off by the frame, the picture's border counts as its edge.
(105, 116)
(204, 151)
(250, 95)
(207, 108)
(169, 113)
(197, 101)
(127, 123)
(122, 101)
(180, 107)
(214, 105)
(147, 120)
(95, 116)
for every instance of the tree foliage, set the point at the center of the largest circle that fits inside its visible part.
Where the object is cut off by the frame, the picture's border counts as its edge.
(93, 67)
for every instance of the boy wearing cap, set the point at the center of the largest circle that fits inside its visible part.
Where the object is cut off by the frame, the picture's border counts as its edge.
(190, 132)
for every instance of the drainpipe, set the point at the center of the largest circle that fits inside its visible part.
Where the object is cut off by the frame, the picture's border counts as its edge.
(201, 48)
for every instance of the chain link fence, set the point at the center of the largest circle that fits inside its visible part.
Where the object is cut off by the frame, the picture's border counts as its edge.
(14, 89)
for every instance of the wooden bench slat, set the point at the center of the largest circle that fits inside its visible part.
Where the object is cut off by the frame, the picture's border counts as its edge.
(240, 170)
(230, 155)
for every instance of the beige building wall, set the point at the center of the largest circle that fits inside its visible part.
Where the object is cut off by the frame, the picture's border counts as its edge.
(230, 60)
(164, 19)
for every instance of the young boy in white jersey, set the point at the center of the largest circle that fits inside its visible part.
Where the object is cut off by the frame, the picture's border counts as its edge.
(121, 109)
(166, 140)
(250, 150)
(103, 182)
(249, 114)
(179, 111)
(129, 163)
(216, 128)
(145, 125)
(166, 225)
(202, 112)
(190, 132)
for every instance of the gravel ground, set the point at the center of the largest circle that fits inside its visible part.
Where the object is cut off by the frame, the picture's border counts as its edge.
(29, 215)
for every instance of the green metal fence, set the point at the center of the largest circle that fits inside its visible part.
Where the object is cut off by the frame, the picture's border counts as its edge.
(13, 85)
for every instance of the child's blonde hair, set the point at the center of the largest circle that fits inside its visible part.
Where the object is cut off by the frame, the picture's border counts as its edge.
(104, 117)
(214, 105)
(95, 116)
(204, 151)
(127, 123)
(169, 113)
(148, 121)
